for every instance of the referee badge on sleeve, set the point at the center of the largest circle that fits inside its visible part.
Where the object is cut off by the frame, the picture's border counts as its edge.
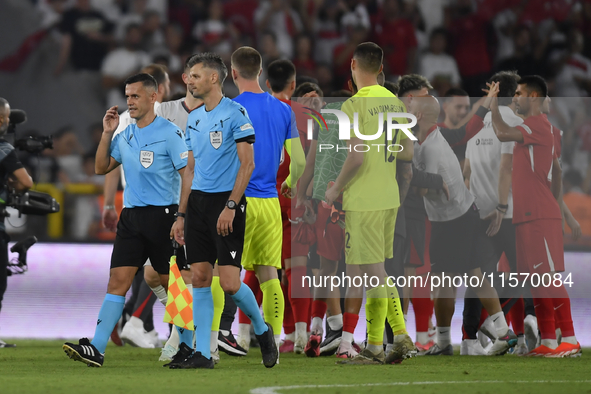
(215, 137)
(146, 158)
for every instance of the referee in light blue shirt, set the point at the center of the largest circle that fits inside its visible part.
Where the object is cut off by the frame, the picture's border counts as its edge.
(154, 154)
(220, 164)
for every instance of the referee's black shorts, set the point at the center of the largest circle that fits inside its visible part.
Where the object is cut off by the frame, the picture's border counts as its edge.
(142, 233)
(453, 246)
(201, 236)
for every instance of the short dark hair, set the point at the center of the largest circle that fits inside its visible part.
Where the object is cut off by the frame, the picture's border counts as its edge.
(507, 85)
(369, 56)
(209, 60)
(147, 81)
(247, 61)
(279, 73)
(535, 83)
(392, 87)
(574, 177)
(307, 87)
(409, 82)
(158, 71)
(456, 92)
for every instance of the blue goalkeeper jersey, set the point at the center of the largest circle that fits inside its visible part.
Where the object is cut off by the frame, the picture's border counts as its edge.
(274, 122)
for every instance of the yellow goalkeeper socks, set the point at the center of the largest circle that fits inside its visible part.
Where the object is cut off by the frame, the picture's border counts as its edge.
(375, 315)
(218, 302)
(395, 314)
(273, 304)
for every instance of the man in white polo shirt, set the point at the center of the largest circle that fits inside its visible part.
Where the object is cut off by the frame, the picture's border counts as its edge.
(455, 222)
(487, 171)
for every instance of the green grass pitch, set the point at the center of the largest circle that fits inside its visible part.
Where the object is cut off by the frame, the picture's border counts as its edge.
(36, 366)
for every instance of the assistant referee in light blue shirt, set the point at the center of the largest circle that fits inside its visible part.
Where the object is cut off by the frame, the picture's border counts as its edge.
(154, 154)
(220, 164)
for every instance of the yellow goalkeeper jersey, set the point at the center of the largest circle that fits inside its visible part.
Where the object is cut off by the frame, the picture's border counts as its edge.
(374, 187)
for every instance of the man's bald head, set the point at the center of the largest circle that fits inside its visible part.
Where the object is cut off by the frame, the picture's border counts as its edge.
(426, 109)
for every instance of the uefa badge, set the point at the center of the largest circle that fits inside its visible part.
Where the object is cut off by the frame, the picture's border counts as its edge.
(215, 137)
(146, 158)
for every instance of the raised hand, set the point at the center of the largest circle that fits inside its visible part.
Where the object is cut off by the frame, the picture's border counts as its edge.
(111, 120)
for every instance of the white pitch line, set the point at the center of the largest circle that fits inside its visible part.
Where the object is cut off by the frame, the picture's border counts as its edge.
(277, 389)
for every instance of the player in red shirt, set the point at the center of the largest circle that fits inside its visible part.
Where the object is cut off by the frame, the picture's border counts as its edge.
(537, 214)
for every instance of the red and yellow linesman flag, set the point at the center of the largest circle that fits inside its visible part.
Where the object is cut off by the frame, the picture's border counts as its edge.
(179, 307)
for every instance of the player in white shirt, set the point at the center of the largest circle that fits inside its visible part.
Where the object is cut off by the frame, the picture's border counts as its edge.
(454, 229)
(487, 170)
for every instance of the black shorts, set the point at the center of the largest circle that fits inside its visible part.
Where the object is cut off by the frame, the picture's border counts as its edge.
(144, 233)
(201, 236)
(490, 249)
(415, 233)
(453, 246)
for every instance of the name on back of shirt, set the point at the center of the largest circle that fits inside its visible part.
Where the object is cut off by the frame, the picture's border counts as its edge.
(385, 108)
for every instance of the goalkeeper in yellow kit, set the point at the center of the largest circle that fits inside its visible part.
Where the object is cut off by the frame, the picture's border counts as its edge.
(371, 199)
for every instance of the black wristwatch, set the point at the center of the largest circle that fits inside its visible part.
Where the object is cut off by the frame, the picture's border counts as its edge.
(179, 215)
(231, 204)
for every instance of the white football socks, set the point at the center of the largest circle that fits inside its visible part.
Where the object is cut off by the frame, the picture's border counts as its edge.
(500, 323)
(572, 340)
(300, 330)
(551, 343)
(443, 337)
(335, 322)
(422, 337)
(160, 293)
(213, 341)
(317, 325)
(174, 339)
(347, 339)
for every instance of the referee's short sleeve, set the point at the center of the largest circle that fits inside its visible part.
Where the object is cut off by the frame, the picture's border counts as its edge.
(188, 139)
(177, 149)
(114, 150)
(242, 128)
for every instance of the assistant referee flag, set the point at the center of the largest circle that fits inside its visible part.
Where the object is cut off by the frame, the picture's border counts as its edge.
(179, 307)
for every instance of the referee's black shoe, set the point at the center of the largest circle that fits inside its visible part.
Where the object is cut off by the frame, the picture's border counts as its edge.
(85, 352)
(183, 353)
(229, 345)
(195, 361)
(268, 347)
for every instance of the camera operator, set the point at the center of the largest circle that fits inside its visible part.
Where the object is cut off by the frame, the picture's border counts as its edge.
(12, 176)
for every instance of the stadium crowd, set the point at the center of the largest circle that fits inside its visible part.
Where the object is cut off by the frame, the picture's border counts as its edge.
(442, 53)
(452, 43)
